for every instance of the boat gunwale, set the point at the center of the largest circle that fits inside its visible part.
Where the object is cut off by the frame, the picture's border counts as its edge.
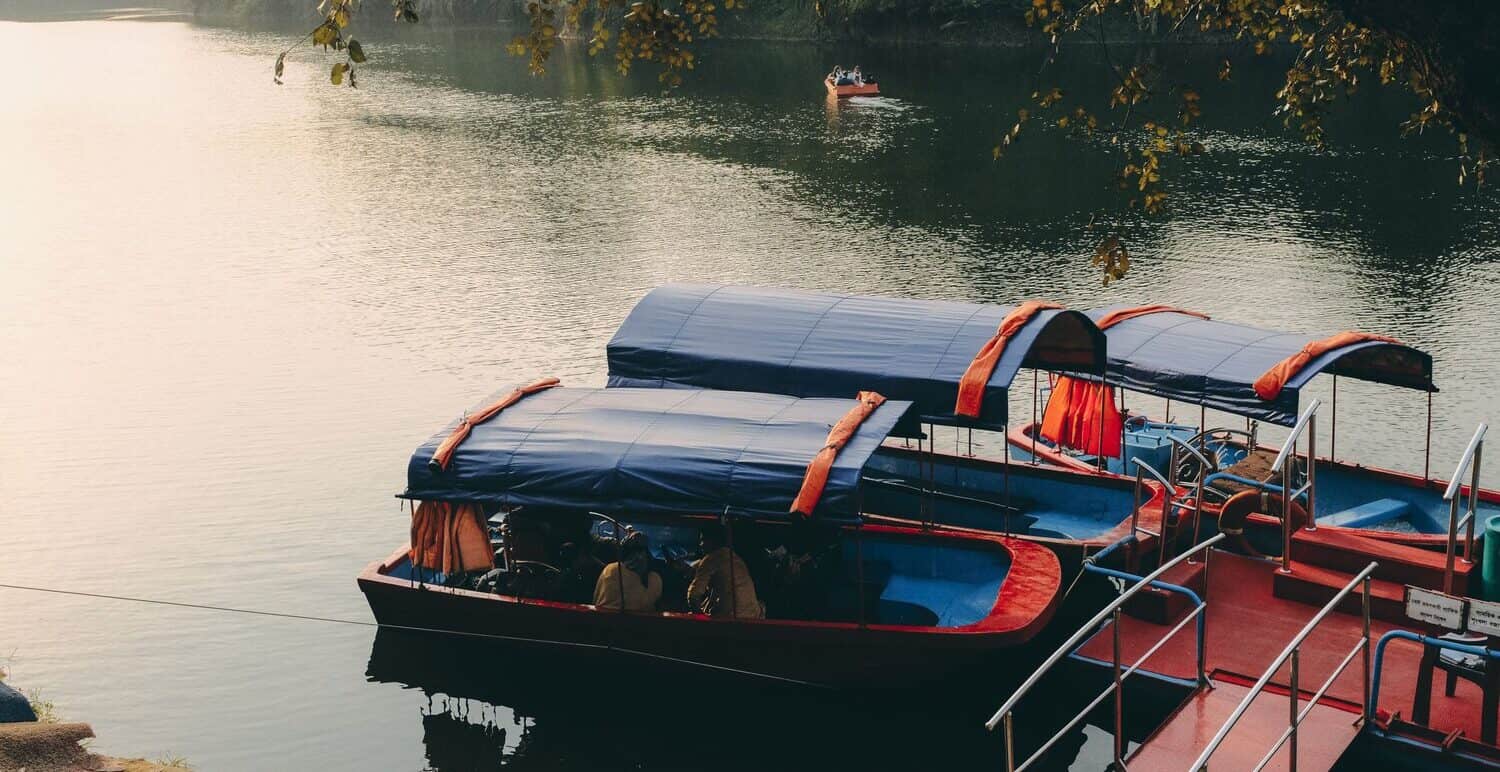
(1027, 559)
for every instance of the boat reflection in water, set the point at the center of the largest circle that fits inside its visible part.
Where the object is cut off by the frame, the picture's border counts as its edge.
(496, 702)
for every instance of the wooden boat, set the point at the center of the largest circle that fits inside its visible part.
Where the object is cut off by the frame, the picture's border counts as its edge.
(864, 89)
(1192, 360)
(823, 344)
(892, 605)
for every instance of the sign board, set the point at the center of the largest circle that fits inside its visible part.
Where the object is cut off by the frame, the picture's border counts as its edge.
(1484, 617)
(1435, 608)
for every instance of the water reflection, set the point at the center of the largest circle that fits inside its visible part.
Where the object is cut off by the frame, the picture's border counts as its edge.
(533, 706)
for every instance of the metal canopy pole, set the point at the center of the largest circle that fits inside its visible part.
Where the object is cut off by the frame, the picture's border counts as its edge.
(1005, 465)
(1099, 454)
(1427, 451)
(1035, 426)
(1333, 425)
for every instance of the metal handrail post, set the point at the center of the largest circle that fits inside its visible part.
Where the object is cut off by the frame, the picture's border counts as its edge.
(1312, 475)
(1203, 466)
(1291, 756)
(1119, 697)
(1452, 545)
(1288, 452)
(1010, 755)
(1286, 525)
(1135, 509)
(1473, 504)
(1365, 613)
(1203, 626)
(1469, 461)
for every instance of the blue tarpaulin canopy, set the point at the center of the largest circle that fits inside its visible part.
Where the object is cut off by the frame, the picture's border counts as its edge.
(1216, 364)
(825, 345)
(674, 452)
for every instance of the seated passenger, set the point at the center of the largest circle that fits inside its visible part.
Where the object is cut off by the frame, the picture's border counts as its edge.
(857, 77)
(629, 577)
(834, 74)
(721, 584)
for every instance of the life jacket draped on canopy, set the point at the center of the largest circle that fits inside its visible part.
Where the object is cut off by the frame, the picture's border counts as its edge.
(1082, 414)
(450, 537)
(1269, 385)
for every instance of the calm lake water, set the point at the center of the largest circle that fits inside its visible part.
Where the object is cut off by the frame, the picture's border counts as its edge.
(230, 310)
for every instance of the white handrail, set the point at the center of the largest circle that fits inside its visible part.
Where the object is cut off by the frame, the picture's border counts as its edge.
(1213, 745)
(1469, 462)
(1456, 483)
(1289, 448)
(1088, 629)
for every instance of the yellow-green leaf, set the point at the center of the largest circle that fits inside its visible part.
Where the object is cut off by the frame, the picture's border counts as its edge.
(337, 76)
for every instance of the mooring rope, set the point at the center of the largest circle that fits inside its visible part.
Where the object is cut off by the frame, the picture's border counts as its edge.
(409, 628)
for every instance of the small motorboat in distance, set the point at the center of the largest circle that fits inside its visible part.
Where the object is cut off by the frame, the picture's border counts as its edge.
(847, 83)
(530, 510)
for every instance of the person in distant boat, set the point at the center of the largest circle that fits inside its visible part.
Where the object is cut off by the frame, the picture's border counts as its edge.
(836, 73)
(630, 578)
(721, 584)
(856, 76)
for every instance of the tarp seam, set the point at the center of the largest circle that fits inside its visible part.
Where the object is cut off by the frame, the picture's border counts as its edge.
(954, 339)
(615, 473)
(735, 465)
(510, 462)
(689, 317)
(811, 330)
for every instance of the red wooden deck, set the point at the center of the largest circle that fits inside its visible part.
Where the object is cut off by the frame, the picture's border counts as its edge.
(1247, 627)
(1324, 734)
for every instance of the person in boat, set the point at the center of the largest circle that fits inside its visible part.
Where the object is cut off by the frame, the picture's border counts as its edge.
(836, 73)
(856, 76)
(580, 571)
(721, 584)
(629, 579)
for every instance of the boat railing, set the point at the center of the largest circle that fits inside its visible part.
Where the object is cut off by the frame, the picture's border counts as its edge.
(1469, 462)
(1284, 466)
(1006, 714)
(1197, 497)
(1372, 693)
(1293, 654)
(1142, 470)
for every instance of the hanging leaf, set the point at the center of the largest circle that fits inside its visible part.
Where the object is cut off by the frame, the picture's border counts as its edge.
(280, 68)
(337, 76)
(324, 34)
(356, 52)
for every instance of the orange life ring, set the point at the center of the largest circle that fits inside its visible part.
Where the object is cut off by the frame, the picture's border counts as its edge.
(1239, 507)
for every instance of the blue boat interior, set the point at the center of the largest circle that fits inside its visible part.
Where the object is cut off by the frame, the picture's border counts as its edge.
(902, 582)
(1347, 496)
(1018, 498)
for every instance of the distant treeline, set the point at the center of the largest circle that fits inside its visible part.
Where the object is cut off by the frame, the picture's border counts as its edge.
(999, 21)
(918, 21)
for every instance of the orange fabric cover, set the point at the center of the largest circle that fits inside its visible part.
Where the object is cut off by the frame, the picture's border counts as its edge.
(1074, 413)
(1269, 385)
(971, 385)
(444, 454)
(817, 470)
(450, 537)
(1124, 314)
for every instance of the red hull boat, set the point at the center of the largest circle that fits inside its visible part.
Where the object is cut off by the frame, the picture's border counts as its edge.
(840, 654)
(864, 89)
(523, 484)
